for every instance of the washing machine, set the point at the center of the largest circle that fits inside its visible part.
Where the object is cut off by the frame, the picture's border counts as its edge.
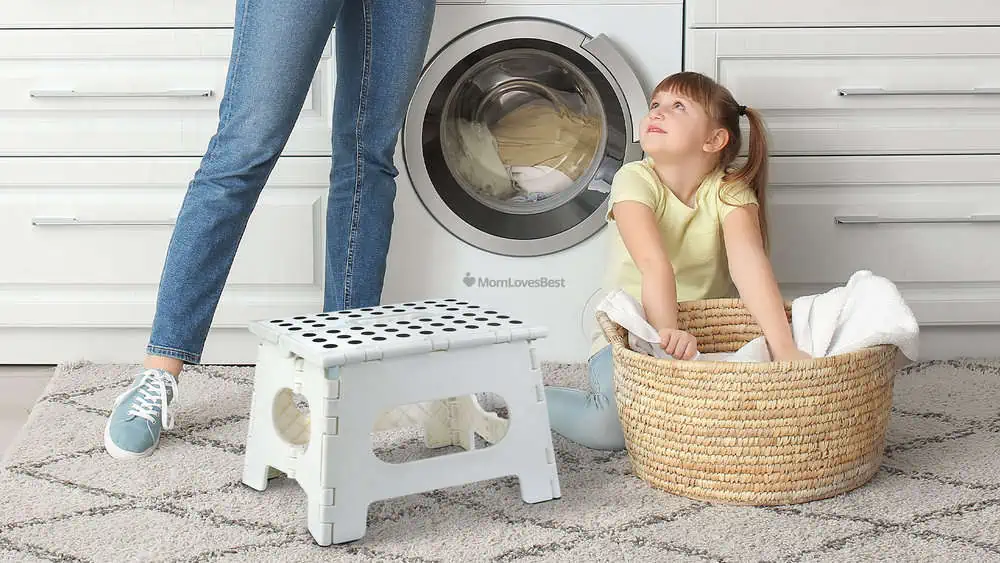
(523, 113)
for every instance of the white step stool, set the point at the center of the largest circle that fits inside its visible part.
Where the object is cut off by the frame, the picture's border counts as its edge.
(395, 365)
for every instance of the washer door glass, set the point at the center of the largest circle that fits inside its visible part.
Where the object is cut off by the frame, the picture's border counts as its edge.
(520, 140)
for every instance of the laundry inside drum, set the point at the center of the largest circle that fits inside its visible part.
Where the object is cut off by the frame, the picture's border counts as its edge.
(523, 131)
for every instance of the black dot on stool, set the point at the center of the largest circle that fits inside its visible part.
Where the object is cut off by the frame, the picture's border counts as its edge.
(343, 336)
(309, 334)
(357, 328)
(379, 338)
(447, 316)
(403, 335)
(449, 329)
(482, 319)
(426, 332)
(437, 324)
(493, 324)
(514, 322)
(295, 328)
(459, 322)
(331, 345)
(298, 318)
(473, 306)
(276, 321)
(333, 331)
(381, 325)
(409, 304)
(354, 342)
(468, 314)
(319, 340)
(354, 315)
(392, 330)
(285, 324)
(471, 326)
(368, 333)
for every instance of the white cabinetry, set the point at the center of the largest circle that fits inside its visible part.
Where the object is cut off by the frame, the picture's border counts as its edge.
(106, 115)
(882, 120)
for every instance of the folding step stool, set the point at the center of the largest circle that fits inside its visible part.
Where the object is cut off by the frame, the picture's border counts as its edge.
(377, 368)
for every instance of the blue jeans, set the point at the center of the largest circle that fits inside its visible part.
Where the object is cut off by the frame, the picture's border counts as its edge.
(277, 44)
(589, 418)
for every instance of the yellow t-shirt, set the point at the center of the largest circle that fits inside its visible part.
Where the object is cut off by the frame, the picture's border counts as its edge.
(692, 236)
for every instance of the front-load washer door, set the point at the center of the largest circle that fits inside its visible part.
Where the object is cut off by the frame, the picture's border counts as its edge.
(515, 132)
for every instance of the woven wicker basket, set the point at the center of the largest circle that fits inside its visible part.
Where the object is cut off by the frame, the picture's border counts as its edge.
(750, 433)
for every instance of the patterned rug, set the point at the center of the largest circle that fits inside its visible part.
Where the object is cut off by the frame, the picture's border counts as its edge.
(62, 498)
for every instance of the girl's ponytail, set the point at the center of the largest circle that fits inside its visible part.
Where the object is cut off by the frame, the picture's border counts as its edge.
(753, 174)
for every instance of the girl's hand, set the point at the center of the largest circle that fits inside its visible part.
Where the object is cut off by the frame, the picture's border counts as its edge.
(677, 343)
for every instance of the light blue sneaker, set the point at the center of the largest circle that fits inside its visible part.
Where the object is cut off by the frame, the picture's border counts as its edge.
(139, 414)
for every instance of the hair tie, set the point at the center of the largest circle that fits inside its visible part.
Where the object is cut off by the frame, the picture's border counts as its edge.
(743, 110)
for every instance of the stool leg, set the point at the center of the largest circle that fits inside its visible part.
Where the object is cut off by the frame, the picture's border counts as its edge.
(255, 469)
(321, 530)
(538, 477)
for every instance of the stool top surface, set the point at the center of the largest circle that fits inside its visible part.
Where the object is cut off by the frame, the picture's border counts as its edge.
(386, 331)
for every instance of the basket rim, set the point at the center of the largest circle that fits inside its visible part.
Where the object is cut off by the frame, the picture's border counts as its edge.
(619, 347)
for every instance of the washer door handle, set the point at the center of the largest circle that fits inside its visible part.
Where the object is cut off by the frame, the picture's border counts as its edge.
(621, 73)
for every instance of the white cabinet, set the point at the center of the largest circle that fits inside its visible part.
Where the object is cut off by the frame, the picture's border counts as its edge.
(39, 14)
(92, 235)
(129, 92)
(841, 13)
(107, 110)
(882, 119)
(929, 223)
(863, 91)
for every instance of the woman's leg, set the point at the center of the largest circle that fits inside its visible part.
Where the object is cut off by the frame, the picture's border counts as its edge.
(589, 418)
(381, 46)
(276, 48)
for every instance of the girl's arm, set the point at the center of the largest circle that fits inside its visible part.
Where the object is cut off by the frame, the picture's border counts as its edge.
(754, 278)
(639, 232)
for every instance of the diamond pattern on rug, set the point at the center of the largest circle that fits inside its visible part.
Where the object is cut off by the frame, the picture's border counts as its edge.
(62, 498)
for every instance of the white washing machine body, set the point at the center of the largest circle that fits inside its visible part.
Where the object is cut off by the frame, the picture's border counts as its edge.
(542, 261)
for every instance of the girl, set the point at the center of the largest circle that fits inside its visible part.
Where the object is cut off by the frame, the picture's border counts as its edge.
(689, 226)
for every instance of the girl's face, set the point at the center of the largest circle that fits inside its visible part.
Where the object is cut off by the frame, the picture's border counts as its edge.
(674, 126)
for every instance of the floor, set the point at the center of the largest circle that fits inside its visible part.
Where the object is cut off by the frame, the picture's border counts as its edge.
(20, 387)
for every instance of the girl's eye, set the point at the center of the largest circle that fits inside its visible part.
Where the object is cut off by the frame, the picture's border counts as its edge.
(654, 105)
(678, 105)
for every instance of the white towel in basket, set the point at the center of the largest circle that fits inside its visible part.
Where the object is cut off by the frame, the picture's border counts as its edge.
(868, 311)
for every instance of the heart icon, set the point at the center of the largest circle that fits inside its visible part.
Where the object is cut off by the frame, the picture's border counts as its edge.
(468, 279)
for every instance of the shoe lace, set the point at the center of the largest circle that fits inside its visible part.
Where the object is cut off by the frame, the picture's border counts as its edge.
(151, 398)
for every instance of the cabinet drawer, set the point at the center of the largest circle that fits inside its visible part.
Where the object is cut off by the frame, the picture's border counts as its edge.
(920, 219)
(108, 221)
(129, 92)
(862, 91)
(836, 13)
(117, 13)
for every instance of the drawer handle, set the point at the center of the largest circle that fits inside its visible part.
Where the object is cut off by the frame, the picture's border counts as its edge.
(74, 221)
(885, 92)
(875, 219)
(150, 94)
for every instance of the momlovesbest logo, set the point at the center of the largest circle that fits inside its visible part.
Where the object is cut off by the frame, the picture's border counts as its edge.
(513, 283)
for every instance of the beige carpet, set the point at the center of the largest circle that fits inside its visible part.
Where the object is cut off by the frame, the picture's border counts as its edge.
(62, 498)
